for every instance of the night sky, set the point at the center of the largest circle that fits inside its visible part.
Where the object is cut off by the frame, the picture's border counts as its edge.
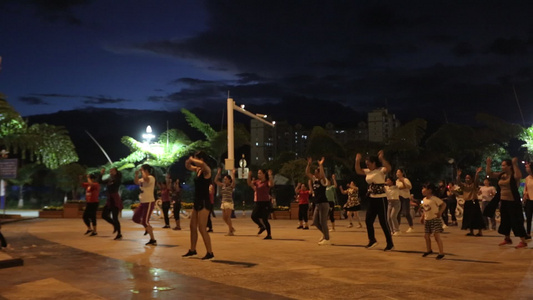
(428, 59)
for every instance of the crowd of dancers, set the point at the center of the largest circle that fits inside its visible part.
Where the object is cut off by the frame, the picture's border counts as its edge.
(387, 197)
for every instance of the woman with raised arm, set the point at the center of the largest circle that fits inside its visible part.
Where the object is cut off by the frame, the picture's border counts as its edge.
(377, 169)
(146, 197)
(202, 205)
(263, 204)
(303, 193)
(320, 215)
(227, 186)
(511, 213)
(353, 204)
(472, 217)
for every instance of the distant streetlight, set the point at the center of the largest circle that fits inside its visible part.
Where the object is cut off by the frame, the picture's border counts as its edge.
(148, 136)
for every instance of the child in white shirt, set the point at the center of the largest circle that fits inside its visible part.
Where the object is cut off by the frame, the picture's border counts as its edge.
(433, 208)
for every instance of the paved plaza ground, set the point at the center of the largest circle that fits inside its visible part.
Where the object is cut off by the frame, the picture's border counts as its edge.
(59, 262)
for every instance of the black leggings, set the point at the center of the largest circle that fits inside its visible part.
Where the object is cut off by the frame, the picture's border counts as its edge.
(529, 215)
(303, 212)
(378, 207)
(177, 210)
(452, 207)
(406, 209)
(260, 215)
(165, 206)
(106, 215)
(332, 211)
(89, 215)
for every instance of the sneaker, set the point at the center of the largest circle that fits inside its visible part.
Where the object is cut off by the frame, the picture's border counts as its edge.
(190, 253)
(268, 237)
(521, 245)
(118, 237)
(332, 229)
(306, 228)
(389, 248)
(261, 230)
(176, 228)
(411, 229)
(479, 234)
(208, 256)
(505, 242)
(359, 226)
(88, 231)
(444, 226)
(427, 253)
(350, 226)
(166, 226)
(324, 243)
(151, 243)
(396, 233)
(439, 257)
(145, 232)
(528, 237)
(210, 230)
(93, 233)
(229, 233)
(321, 239)
(371, 244)
(300, 227)
(470, 234)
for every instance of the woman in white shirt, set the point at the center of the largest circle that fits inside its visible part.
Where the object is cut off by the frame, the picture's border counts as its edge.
(377, 168)
(405, 187)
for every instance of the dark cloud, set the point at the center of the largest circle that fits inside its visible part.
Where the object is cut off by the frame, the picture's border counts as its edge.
(102, 100)
(364, 54)
(59, 10)
(33, 100)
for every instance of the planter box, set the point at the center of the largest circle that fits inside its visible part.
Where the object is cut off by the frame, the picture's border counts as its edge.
(50, 214)
(281, 214)
(72, 210)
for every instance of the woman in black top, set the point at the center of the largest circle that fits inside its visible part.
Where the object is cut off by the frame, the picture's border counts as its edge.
(202, 205)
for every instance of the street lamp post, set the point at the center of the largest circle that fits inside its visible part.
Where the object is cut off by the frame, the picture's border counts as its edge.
(230, 161)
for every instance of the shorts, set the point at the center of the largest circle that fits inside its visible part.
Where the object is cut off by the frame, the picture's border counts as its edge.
(227, 205)
(433, 226)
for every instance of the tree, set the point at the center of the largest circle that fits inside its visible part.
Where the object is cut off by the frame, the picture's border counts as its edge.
(294, 170)
(24, 176)
(68, 178)
(43, 143)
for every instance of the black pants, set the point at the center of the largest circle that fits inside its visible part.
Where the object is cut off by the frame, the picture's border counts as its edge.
(89, 215)
(529, 215)
(165, 206)
(452, 207)
(303, 212)
(260, 215)
(332, 211)
(406, 209)
(378, 207)
(112, 211)
(3, 242)
(177, 209)
(512, 218)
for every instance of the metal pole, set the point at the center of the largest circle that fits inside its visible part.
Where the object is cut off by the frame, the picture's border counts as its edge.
(230, 161)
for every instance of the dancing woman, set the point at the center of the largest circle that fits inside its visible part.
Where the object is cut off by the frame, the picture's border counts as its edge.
(377, 168)
(113, 205)
(472, 216)
(227, 186)
(92, 190)
(320, 215)
(146, 197)
(512, 217)
(202, 204)
(263, 204)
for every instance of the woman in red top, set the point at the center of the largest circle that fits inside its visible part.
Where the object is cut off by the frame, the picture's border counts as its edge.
(303, 205)
(92, 190)
(263, 204)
